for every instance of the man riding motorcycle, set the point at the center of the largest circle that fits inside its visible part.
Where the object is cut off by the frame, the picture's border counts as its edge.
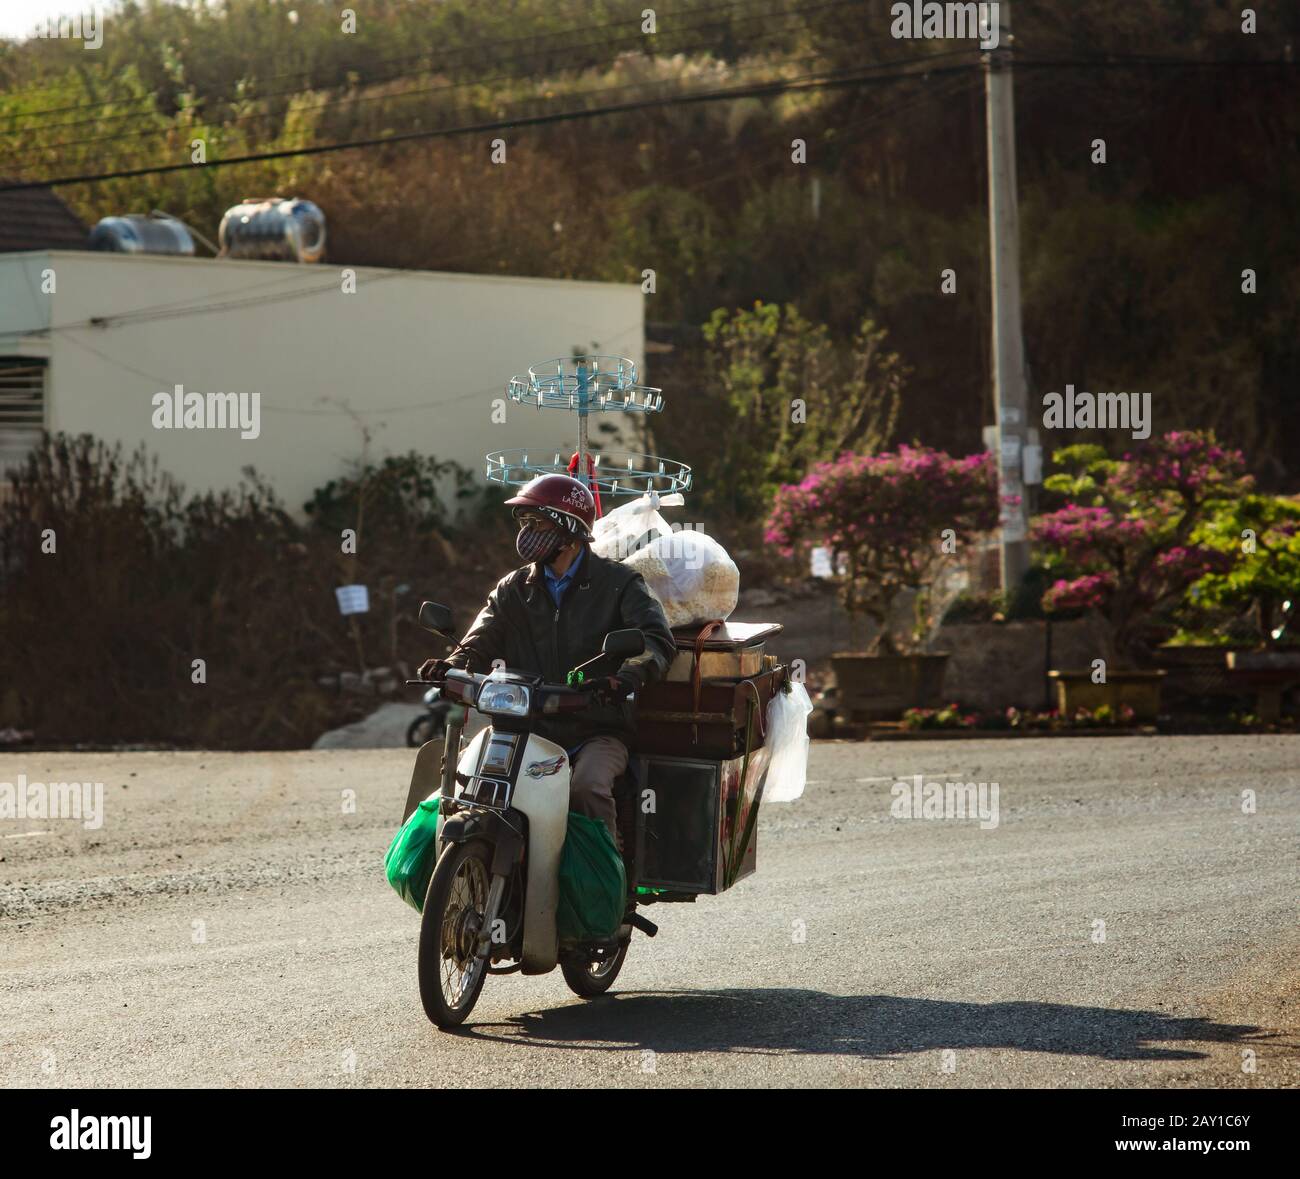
(551, 615)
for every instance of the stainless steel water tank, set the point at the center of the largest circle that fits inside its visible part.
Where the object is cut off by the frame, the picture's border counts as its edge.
(138, 234)
(276, 228)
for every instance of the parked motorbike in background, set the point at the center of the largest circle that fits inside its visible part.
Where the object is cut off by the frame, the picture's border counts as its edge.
(433, 724)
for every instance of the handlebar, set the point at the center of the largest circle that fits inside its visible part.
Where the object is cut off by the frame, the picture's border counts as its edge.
(464, 686)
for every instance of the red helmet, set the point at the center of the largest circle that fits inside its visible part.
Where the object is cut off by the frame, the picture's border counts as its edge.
(562, 497)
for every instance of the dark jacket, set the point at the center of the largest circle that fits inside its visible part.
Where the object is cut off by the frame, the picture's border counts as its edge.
(521, 625)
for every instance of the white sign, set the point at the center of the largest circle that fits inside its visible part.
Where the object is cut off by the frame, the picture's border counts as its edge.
(1032, 464)
(821, 563)
(353, 599)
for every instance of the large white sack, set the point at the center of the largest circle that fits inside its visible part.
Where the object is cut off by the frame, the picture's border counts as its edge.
(691, 575)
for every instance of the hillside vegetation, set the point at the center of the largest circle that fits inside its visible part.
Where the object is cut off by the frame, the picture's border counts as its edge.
(1132, 268)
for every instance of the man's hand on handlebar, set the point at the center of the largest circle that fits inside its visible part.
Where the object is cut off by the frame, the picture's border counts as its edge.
(611, 689)
(433, 670)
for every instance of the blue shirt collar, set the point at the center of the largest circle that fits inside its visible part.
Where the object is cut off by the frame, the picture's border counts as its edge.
(569, 573)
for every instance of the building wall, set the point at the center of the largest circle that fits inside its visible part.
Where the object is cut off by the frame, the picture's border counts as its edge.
(414, 358)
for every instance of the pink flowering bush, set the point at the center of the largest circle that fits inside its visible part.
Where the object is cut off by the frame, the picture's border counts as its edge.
(1128, 542)
(883, 517)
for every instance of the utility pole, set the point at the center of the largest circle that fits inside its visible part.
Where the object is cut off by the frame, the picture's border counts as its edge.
(1008, 346)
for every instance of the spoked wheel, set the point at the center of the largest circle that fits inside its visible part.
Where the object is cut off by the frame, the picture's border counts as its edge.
(451, 976)
(596, 976)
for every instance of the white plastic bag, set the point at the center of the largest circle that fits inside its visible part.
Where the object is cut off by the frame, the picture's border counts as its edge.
(787, 740)
(633, 525)
(691, 575)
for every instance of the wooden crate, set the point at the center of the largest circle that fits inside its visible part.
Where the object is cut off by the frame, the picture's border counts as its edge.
(672, 722)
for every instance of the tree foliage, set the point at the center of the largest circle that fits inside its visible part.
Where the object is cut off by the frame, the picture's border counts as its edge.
(1126, 542)
(790, 396)
(1132, 270)
(889, 520)
(1259, 538)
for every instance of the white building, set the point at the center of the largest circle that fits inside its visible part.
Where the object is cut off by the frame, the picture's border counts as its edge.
(414, 359)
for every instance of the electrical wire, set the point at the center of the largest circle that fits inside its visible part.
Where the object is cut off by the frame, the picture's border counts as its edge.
(172, 309)
(833, 80)
(350, 101)
(532, 38)
(464, 57)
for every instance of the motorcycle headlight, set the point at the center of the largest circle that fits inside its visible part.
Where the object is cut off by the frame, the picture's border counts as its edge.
(503, 699)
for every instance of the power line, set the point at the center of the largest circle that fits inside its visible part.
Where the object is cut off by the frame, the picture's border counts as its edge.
(833, 80)
(427, 55)
(349, 101)
(164, 381)
(767, 64)
(1131, 63)
(171, 309)
(463, 57)
(607, 51)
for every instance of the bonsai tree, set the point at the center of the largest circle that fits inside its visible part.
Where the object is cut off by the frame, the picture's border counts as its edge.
(1259, 539)
(885, 519)
(1127, 542)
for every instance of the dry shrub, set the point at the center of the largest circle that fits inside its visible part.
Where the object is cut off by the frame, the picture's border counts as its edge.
(113, 581)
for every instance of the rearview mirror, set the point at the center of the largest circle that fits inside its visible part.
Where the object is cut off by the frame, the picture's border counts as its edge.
(623, 644)
(435, 617)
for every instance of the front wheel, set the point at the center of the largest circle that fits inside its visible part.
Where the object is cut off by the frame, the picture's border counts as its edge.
(455, 908)
(596, 976)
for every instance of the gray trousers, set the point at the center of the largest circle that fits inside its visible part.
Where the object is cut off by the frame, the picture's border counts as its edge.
(591, 786)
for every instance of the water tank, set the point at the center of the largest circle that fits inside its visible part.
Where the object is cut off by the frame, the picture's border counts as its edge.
(138, 234)
(279, 229)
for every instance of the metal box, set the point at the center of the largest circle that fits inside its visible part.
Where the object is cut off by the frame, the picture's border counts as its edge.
(684, 844)
(735, 649)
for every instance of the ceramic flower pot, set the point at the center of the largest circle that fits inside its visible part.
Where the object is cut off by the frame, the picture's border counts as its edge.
(883, 687)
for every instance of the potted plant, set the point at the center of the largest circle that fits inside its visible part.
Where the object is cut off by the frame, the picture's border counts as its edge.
(1260, 536)
(890, 521)
(1127, 544)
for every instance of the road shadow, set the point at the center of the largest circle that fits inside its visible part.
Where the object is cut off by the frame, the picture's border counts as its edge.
(803, 1022)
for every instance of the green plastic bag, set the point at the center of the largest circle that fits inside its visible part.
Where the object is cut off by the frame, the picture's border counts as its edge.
(593, 884)
(411, 857)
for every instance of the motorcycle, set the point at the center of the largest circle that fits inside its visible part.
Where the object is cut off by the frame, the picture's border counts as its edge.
(503, 810)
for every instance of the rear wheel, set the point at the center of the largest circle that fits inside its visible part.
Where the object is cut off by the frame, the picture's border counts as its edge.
(451, 974)
(596, 976)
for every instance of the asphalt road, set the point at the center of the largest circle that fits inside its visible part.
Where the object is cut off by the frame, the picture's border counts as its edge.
(229, 924)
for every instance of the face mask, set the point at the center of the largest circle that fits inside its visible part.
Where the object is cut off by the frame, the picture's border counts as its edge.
(535, 545)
